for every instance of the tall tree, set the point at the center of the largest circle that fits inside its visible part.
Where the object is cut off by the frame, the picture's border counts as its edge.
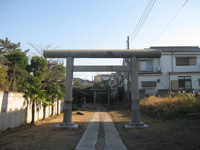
(14, 61)
(54, 83)
(34, 91)
(6, 46)
(38, 67)
(17, 61)
(3, 75)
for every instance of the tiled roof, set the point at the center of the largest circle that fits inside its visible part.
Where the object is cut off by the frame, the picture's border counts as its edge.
(177, 48)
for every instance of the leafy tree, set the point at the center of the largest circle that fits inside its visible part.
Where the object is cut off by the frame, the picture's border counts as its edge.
(104, 84)
(46, 101)
(38, 67)
(3, 75)
(49, 77)
(55, 92)
(55, 73)
(17, 73)
(36, 82)
(54, 77)
(6, 46)
(79, 85)
(34, 89)
(14, 61)
(54, 82)
(17, 57)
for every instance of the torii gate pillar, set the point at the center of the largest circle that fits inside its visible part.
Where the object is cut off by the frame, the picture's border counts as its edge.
(67, 117)
(135, 106)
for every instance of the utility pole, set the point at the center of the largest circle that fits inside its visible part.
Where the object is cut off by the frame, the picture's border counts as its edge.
(128, 47)
(127, 42)
(117, 89)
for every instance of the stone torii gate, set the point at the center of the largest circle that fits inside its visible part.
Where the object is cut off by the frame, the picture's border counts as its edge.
(108, 91)
(133, 54)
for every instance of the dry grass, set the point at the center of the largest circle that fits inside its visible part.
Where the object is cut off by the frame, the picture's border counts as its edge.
(162, 134)
(171, 107)
(41, 136)
(176, 134)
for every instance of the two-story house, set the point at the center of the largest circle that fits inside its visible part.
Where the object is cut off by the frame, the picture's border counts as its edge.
(178, 68)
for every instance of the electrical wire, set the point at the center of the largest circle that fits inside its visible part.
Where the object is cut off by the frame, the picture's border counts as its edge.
(169, 22)
(142, 19)
(143, 22)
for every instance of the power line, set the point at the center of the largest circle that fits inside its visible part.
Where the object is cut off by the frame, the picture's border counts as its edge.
(149, 10)
(170, 22)
(142, 19)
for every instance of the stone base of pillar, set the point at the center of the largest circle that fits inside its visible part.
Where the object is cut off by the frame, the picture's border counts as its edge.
(64, 125)
(135, 125)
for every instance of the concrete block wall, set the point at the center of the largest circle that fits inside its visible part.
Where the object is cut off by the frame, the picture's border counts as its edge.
(12, 109)
(39, 109)
(15, 110)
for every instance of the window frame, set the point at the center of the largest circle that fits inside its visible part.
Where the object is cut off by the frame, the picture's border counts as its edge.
(186, 61)
(183, 80)
(149, 86)
(145, 64)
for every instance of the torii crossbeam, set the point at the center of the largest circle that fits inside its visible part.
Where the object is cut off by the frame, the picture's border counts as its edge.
(70, 54)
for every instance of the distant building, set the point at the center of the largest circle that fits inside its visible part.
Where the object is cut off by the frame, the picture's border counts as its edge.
(86, 83)
(101, 77)
(116, 81)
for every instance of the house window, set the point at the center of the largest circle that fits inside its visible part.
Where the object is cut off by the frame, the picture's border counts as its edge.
(148, 83)
(146, 66)
(184, 82)
(185, 61)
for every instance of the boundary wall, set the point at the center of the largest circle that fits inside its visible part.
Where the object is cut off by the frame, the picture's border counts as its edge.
(15, 110)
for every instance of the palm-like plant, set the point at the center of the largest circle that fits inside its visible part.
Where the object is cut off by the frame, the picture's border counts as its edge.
(36, 96)
(54, 92)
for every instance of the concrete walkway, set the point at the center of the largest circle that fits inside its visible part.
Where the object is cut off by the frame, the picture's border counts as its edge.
(101, 134)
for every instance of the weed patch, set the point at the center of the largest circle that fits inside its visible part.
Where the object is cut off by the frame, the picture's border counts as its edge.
(171, 107)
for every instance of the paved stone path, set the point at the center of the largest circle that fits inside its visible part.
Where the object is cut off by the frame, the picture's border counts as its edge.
(101, 134)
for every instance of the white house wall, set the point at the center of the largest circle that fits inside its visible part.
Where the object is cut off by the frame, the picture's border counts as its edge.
(156, 64)
(166, 63)
(164, 83)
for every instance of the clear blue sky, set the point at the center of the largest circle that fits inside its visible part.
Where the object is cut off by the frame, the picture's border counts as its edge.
(98, 24)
